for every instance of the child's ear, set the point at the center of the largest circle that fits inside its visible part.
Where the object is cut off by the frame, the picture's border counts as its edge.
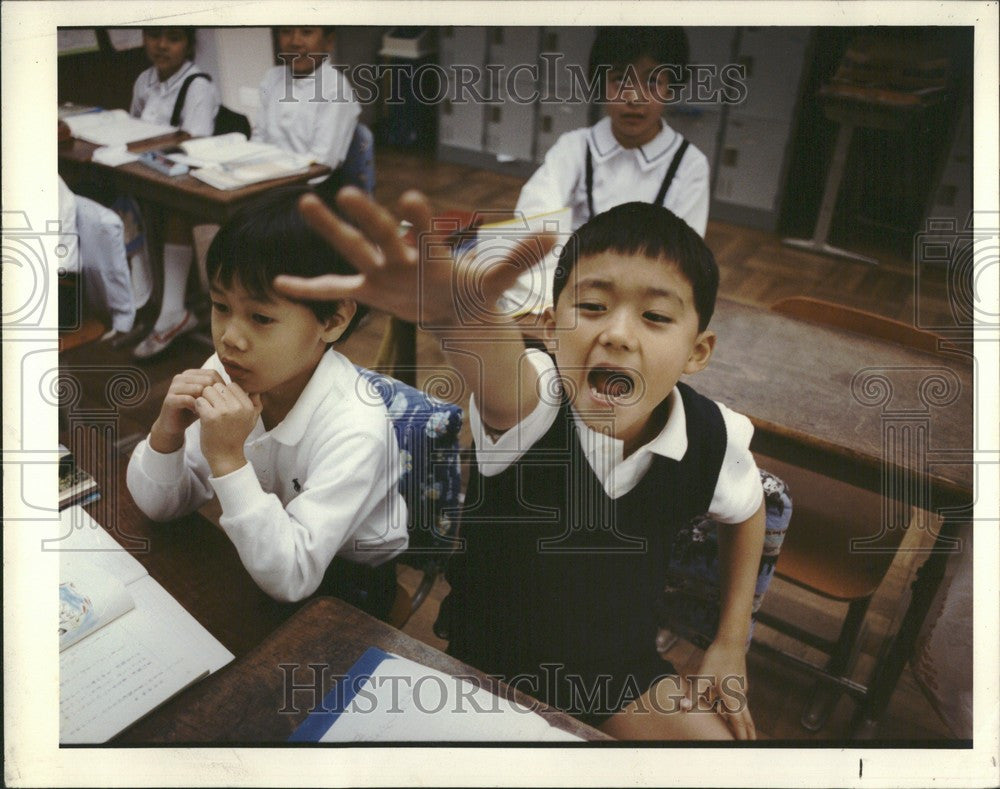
(549, 329)
(336, 324)
(704, 344)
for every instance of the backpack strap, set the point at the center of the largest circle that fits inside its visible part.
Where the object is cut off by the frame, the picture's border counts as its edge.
(175, 116)
(671, 172)
(590, 183)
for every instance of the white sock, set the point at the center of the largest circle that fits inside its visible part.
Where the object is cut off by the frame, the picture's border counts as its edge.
(176, 266)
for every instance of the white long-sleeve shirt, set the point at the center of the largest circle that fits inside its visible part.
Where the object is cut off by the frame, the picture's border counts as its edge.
(313, 114)
(153, 101)
(320, 483)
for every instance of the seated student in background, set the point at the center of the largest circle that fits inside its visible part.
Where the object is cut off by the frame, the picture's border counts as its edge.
(631, 154)
(95, 250)
(602, 433)
(306, 105)
(304, 469)
(154, 95)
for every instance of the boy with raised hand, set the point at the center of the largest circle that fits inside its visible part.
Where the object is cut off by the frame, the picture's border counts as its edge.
(586, 461)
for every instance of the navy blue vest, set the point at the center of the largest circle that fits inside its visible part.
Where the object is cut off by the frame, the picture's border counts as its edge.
(557, 583)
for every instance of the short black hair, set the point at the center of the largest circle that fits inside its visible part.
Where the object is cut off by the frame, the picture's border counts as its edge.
(650, 230)
(190, 33)
(268, 237)
(616, 47)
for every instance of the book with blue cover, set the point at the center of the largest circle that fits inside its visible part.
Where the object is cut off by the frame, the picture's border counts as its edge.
(387, 698)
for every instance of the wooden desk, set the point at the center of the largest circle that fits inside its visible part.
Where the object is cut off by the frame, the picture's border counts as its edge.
(195, 561)
(831, 400)
(250, 700)
(159, 193)
(870, 413)
(181, 193)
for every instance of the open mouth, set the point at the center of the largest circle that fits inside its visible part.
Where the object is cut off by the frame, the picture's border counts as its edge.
(610, 383)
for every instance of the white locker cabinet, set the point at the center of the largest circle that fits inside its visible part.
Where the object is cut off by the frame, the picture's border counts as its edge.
(513, 46)
(554, 120)
(461, 124)
(774, 58)
(710, 45)
(573, 44)
(700, 125)
(462, 45)
(749, 164)
(510, 125)
(709, 48)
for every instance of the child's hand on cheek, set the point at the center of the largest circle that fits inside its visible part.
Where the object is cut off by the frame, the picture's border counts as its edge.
(228, 415)
(178, 410)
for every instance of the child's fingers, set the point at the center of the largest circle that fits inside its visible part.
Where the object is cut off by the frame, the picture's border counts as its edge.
(182, 402)
(741, 725)
(237, 392)
(525, 254)
(212, 396)
(353, 245)
(378, 224)
(415, 209)
(328, 286)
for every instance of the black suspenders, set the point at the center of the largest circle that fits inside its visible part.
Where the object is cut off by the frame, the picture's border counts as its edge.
(675, 163)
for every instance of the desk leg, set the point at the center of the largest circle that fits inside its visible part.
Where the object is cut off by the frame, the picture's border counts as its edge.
(154, 222)
(887, 673)
(818, 243)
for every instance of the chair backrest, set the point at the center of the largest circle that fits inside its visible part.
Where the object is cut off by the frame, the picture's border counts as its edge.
(689, 607)
(840, 316)
(427, 433)
(359, 163)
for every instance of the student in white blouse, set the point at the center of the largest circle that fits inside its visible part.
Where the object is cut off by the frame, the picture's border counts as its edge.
(306, 105)
(631, 154)
(171, 49)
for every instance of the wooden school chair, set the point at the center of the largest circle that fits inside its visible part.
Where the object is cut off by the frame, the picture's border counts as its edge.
(426, 430)
(838, 549)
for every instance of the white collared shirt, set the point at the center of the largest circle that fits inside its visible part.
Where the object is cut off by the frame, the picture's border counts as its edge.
(153, 101)
(738, 492)
(320, 483)
(621, 175)
(313, 114)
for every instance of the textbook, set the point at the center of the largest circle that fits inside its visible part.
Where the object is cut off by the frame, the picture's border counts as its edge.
(76, 486)
(125, 645)
(229, 161)
(113, 127)
(387, 698)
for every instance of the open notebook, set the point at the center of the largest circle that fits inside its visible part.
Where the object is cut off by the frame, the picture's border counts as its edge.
(229, 161)
(113, 127)
(387, 698)
(125, 645)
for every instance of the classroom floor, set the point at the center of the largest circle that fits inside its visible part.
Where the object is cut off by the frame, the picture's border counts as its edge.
(755, 269)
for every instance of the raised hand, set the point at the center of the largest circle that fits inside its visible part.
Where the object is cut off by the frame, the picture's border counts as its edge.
(178, 409)
(412, 276)
(228, 415)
